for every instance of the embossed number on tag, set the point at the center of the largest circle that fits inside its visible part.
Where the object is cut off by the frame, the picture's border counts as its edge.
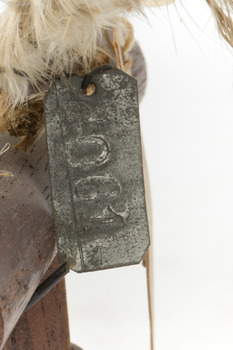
(96, 172)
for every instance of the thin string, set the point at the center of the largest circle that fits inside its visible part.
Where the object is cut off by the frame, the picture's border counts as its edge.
(149, 277)
(3, 150)
(88, 77)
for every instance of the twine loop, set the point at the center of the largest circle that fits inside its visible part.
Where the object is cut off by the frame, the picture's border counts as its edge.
(3, 150)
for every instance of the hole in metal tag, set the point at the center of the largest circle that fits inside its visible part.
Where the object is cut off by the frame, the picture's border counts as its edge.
(96, 171)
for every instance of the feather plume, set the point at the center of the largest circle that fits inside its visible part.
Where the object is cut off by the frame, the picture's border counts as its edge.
(223, 13)
(43, 38)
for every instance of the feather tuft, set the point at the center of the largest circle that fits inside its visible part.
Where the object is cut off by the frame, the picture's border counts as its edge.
(223, 13)
(43, 38)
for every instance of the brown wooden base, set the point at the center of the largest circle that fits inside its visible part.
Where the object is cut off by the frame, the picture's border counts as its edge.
(45, 326)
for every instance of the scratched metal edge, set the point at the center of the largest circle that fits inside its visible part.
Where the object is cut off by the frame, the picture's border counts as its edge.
(62, 235)
(143, 177)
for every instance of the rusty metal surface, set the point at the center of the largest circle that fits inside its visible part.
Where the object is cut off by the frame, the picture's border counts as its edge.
(96, 172)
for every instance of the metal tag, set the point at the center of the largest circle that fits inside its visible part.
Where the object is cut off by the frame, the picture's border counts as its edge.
(96, 171)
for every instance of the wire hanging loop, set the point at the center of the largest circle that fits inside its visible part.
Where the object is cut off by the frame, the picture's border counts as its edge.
(4, 150)
(88, 77)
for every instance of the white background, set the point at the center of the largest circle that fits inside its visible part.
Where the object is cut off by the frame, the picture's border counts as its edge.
(187, 126)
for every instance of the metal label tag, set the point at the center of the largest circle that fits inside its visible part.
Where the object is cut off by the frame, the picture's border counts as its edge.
(96, 171)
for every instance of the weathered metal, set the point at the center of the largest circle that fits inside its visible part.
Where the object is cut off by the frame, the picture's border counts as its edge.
(96, 171)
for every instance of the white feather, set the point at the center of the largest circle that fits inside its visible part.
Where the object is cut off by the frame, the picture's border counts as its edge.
(42, 38)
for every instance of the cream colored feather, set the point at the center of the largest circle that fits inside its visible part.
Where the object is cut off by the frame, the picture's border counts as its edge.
(41, 38)
(223, 13)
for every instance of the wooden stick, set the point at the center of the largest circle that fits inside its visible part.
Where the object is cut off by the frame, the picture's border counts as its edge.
(45, 325)
(26, 231)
